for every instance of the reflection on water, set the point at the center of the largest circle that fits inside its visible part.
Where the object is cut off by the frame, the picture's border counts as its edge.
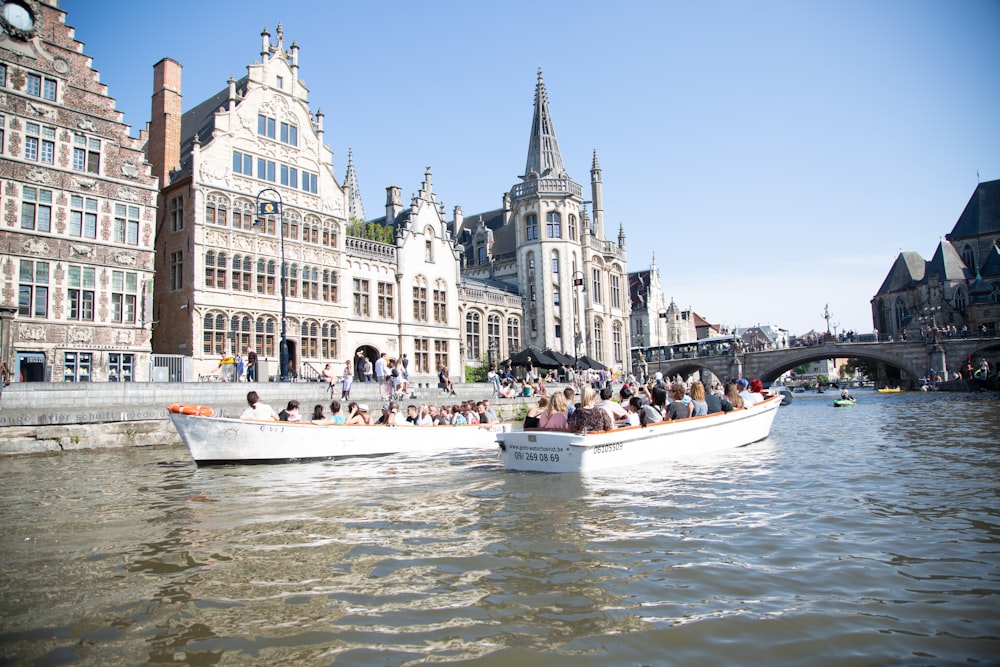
(865, 536)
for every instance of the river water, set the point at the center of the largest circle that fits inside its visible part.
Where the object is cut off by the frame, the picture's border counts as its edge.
(860, 536)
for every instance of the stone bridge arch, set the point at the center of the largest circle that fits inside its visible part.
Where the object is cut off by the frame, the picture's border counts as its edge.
(912, 359)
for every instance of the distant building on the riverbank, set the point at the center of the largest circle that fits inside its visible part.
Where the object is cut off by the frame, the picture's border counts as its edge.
(76, 247)
(957, 292)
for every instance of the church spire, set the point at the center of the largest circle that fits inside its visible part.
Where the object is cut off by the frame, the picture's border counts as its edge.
(354, 206)
(544, 159)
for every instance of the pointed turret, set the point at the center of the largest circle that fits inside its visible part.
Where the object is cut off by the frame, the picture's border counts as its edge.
(597, 196)
(544, 158)
(354, 207)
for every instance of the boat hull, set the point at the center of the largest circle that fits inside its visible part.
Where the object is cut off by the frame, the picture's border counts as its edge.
(561, 451)
(221, 441)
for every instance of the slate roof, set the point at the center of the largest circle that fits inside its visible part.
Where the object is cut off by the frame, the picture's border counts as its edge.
(638, 286)
(504, 238)
(981, 214)
(947, 264)
(908, 270)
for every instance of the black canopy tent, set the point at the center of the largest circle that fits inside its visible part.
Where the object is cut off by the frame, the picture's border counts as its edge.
(586, 362)
(539, 359)
(560, 358)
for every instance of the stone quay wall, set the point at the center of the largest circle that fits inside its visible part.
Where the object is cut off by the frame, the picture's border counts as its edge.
(40, 418)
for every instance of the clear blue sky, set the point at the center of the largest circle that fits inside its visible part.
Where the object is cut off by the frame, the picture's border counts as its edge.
(775, 156)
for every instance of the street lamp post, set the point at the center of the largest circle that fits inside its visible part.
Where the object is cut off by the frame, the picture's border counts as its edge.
(661, 317)
(578, 281)
(270, 207)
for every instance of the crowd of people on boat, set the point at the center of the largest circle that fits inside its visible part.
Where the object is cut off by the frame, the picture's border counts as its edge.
(594, 408)
(392, 413)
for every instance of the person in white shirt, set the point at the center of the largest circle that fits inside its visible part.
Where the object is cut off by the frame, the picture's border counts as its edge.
(614, 410)
(258, 410)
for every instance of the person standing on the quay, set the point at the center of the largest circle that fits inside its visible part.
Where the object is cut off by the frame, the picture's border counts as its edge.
(346, 382)
(239, 367)
(251, 365)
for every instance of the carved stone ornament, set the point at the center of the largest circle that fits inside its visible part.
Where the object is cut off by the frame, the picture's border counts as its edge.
(31, 332)
(125, 259)
(130, 169)
(123, 337)
(128, 194)
(87, 125)
(39, 175)
(35, 247)
(85, 183)
(81, 250)
(80, 335)
(42, 111)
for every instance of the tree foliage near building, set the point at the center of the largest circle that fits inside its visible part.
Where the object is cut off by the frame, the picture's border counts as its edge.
(371, 231)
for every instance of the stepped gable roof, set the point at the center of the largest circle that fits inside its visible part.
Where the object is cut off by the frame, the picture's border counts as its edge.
(947, 264)
(908, 270)
(981, 214)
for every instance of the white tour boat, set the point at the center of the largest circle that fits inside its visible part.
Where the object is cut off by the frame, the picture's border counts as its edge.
(218, 440)
(563, 451)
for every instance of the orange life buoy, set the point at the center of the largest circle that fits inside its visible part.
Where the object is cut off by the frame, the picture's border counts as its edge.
(196, 410)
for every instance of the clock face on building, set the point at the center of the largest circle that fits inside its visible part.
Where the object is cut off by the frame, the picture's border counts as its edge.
(19, 18)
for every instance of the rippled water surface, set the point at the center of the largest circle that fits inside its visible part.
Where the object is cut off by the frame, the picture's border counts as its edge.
(860, 536)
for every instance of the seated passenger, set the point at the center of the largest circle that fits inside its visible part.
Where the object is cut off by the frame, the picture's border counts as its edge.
(679, 408)
(588, 416)
(554, 417)
(531, 419)
(258, 410)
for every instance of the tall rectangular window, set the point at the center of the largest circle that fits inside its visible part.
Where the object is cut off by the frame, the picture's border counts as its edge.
(329, 286)
(86, 153)
(309, 183)
(440, 306)
(440, 353)
(83, 217)
(421, 355)
(266, 170)
(289, 176)
(420, 304)
(127, 224)
(177, 213)
(77, 366)
(121, 367)
(176, 270)
(36, 209)
(39, 143)
(616, 296)
(242, 163)
(596, 282)
(386, 307)
(289, 134)
(124, 290)
(362, 308)
(531, 227)
(81, 283)
(265, 126)
(33, 289)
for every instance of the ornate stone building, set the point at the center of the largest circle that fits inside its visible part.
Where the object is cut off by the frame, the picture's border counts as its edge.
(219, 287)
(79, 209)
(959, 287)
(543, 243)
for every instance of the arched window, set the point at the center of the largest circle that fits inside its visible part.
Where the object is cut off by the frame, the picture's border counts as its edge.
(440, 303)
(555, 262)
(472, 342)
(969, 257)
(572, 227)
(310, 283)
(901, 316)
(553, 225)
(420, 299)
(328, 342)
(214, 335)
(960, 300)
(616, 342)
(329, 286)
(598, 348)
(265, 336)
(493, 334)
(309, 339)
(513, 335)
(242, 273)
(215, 270)
(293, 281)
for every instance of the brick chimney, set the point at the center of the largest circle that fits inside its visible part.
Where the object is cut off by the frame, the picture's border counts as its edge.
(164, 147)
